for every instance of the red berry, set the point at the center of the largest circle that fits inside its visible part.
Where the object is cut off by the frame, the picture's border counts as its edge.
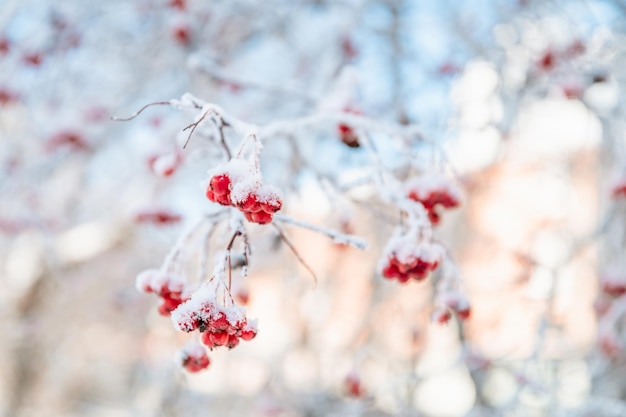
(261, 217)
(178, 4)
(210, 194)
(353, 386)
(615, 289)
(391, 271)
(182, 34)
(34, 59)
(207, 341)
(348, 136)
(220, 184)
(464, 314)
(223, 199)
(219, 338)
(7, 97)
(242, 297)
(547, 61)
(5, 45)
(168, 305)
(250, 204)
(232, 341)
(272, 206)
(248, 334)
(442, 316)
(221, 323)
(196, 364)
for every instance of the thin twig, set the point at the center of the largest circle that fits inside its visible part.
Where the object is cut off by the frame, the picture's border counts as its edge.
(351, 240)
(194, 125)
(223, 140)
(138, 112)
(228, 250)
(295, 252)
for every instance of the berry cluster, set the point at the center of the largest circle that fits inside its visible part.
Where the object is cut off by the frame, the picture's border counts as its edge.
(353, 386)
(172, 290)
(346, 132)
(66, 139)
(408, 258)
(618, 189)
(164, 165)
(551, 57)
(220, 326)
(613, 283)
(434, 191)
(157, 216)
(234, 185)
(451, 302)
(192, 357)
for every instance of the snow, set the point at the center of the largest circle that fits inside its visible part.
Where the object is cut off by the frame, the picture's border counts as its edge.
(204, 305)
(424, 185)
(406, 248)
(191, 349)
(155, 280)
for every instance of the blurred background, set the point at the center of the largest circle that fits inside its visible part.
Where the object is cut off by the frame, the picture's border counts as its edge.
(518, 102)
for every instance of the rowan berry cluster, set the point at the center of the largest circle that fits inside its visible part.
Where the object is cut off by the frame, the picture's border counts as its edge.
(219, 325)
(347, 133)
(235, 185)
(613, 283)
(434, 191)
(192, 357)
(165, 164)
(451, 302)
(407, 257)
(157, 216)
(618, 189)
(172, 290)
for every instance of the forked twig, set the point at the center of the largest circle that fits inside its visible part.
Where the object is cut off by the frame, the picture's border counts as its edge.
(337, 237)
(295, 251)
(194, 125)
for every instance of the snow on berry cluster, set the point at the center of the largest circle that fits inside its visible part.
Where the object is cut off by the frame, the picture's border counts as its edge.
(219, 325)
(171, 288)
(434, 191)
(407, 256)
(611, 309)
(235, 184)
(613, 282)
(451, 302)
(165, 164)
(193, 357)
(618, 188)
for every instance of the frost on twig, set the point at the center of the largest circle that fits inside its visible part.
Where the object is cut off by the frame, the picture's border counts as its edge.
(337, 237)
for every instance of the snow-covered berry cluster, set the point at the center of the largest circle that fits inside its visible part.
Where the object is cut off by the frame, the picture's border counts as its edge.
(347, 133)
(353, 386)
(434, 191)
(157, 216)
(220, 325)
(193, 357)
(613, 282)
(235, 184)
(409, 257)
(451, 302)
(610, 307)
(172, 290)
(165, 164)
(618, 189)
